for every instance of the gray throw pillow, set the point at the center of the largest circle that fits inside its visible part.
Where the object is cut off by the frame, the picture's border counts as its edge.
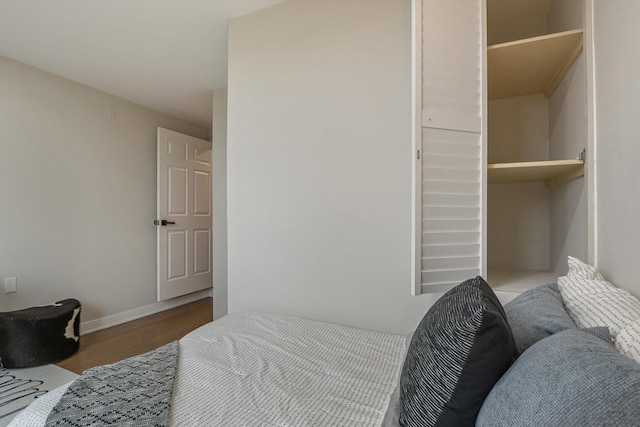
(537, 314)
(601, 332)
(460, 349)
(572, 378)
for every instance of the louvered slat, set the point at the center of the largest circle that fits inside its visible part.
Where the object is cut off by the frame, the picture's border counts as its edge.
(451, 250)
(450, 212)
(451, 237)
(449, 227)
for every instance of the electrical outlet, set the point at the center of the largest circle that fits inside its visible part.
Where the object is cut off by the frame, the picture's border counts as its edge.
(10, 285)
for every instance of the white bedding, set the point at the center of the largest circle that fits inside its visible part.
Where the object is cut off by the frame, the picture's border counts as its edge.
(272, 370)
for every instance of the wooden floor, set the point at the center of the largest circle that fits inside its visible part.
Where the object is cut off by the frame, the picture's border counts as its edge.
(139, 336)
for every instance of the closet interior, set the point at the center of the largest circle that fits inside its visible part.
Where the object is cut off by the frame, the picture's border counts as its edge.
(536, 140)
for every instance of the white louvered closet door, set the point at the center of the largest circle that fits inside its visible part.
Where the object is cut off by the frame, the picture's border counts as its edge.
(448, 72)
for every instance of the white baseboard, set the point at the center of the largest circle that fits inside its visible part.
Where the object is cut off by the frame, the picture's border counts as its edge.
(136, 313)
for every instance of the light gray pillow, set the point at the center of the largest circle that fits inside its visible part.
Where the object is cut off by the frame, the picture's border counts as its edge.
(392, 414)
(572, 378)
(537, 314)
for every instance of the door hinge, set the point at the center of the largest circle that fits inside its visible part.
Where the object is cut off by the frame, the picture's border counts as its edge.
(418, 154)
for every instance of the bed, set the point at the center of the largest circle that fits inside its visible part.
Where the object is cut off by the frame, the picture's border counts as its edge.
(261, 369)
(560, 354)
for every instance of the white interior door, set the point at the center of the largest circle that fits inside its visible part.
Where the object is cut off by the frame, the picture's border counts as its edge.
(184, 214)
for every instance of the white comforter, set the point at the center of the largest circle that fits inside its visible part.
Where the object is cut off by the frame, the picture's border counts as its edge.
(273, 370)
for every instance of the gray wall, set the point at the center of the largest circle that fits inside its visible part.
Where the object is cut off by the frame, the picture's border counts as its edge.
(319, 163)
(618, 134)
(219, 133)
(77, 193)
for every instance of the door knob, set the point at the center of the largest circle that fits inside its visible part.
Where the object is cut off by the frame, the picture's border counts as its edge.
(163, 222)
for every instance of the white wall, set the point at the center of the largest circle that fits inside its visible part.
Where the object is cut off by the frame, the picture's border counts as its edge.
(77, 193)
(219, 138)
(319, 163)
(567, 136)
(521, 29)
(568, 202)
(565, 15)
(518, 226)
(618, 134)
(518, 214)
(518, 129)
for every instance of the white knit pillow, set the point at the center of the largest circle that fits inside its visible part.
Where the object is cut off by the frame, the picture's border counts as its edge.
(582, 286)
(614, 309)
(578, 268)
(628, 341)
(592, 301)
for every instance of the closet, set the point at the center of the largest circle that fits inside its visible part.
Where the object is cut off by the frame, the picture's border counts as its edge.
(501, 141)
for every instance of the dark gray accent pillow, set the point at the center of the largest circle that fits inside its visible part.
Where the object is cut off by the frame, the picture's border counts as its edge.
(460, 349)
(571, 378)
(537, 314)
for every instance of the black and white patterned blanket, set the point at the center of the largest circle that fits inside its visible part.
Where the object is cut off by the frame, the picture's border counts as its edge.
(133, 392)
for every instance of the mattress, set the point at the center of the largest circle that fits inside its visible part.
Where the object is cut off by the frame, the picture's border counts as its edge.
(260, 369)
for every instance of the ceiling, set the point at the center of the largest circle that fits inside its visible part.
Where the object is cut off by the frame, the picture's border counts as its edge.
(164, 54)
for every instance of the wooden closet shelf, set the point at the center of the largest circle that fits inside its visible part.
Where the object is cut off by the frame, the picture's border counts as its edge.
(552, 172)
(534, 65)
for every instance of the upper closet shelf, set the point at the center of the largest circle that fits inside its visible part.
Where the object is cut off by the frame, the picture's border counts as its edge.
(552, 172)
(535, 65)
